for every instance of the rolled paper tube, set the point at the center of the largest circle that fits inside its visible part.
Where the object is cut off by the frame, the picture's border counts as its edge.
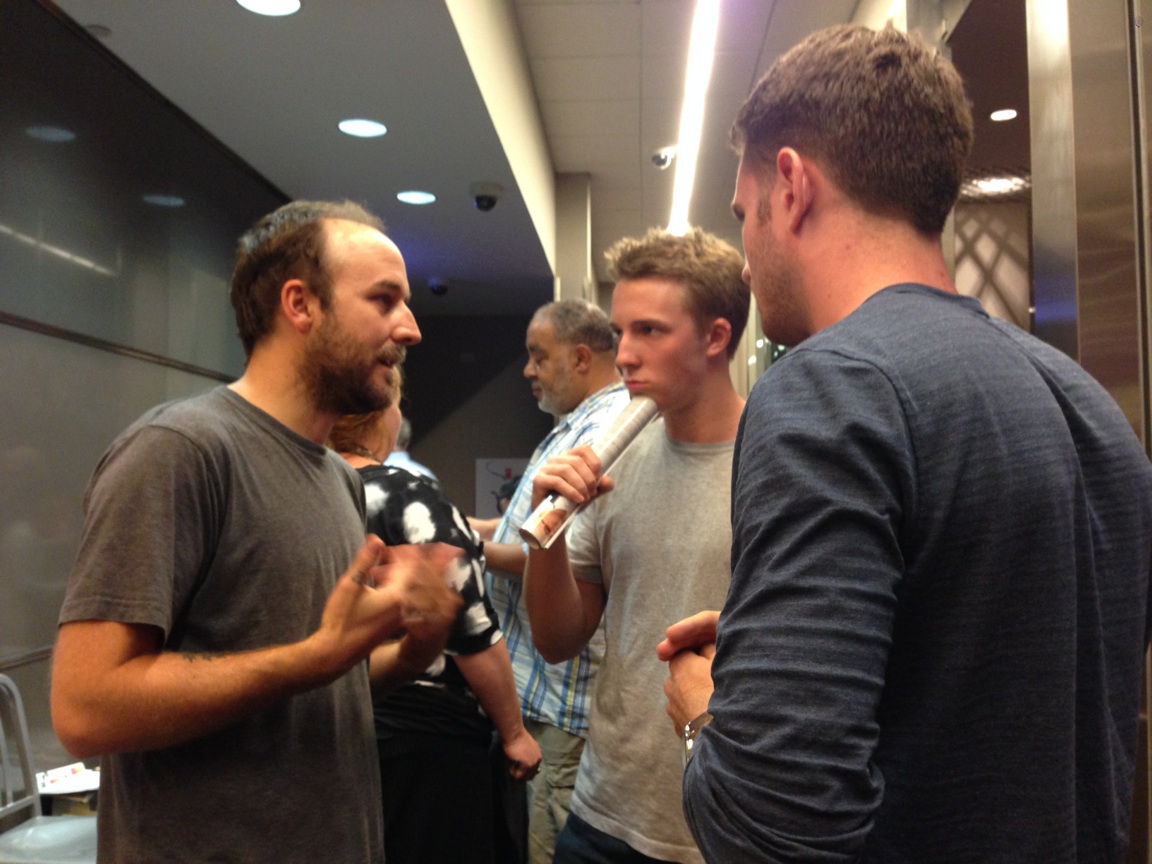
(555, 513)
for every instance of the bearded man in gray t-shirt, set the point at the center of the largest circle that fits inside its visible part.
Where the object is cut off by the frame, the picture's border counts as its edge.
(224, 601)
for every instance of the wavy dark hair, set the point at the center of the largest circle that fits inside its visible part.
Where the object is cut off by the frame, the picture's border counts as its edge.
(884, 114)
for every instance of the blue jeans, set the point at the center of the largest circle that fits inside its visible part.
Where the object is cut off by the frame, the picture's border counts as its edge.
(580, 843)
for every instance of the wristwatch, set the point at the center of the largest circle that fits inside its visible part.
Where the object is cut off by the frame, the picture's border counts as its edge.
(691, 730)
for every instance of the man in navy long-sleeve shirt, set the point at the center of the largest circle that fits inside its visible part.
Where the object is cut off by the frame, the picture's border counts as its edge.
(942, 527)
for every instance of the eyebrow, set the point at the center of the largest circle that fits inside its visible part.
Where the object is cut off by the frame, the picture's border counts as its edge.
(395, 287)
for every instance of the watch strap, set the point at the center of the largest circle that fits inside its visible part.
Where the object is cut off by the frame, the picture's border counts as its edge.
(691, 730)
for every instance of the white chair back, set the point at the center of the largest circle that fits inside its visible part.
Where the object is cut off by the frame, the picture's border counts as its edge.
(27, 836)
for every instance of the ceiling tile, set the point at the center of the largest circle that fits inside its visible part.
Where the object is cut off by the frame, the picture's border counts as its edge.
(595, 151)
(580, 30)
(575, 78)
(563, 119)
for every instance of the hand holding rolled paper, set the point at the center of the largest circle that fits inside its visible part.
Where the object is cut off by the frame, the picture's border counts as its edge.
(553, 515)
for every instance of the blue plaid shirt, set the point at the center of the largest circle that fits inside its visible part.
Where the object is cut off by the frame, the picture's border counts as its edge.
(553, 693)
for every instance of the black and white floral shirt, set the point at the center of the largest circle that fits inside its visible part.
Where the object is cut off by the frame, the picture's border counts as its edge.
(405, 508)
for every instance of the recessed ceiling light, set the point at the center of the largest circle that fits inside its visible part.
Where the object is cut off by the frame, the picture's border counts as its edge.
(363, 128)
(274, 8)
(1003, 114)
(165, 200)
(414, 196)
(51, 134)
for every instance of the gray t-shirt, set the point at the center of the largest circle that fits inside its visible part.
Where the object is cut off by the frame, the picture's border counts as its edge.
(660, 544)
(215, 523)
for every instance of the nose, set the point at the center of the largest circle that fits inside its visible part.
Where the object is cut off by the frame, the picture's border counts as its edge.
(625, 356)
(529, 370)
(406, 331)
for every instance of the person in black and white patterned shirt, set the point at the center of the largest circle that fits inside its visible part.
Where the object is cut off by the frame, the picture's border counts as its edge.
(434, 731)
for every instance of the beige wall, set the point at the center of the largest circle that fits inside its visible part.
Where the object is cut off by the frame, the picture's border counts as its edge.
(500, 420)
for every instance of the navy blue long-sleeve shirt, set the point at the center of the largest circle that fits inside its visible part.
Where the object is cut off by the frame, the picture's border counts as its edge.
(933, 642)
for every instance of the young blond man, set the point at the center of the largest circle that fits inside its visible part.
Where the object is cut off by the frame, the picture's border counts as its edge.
(654, 548)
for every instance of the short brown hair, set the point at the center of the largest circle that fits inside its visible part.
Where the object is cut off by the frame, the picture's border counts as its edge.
(286, 244)
(710, 271)
(882, 112)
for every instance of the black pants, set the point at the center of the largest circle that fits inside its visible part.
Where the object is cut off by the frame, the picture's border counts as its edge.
(438, 799)
(510, 800)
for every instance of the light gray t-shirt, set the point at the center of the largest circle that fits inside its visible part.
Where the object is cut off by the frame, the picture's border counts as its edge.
(660, 543)
(215, 523)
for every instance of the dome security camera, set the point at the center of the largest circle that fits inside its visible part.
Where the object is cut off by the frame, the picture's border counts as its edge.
(438, 286)
(663, 157)
(485, 195)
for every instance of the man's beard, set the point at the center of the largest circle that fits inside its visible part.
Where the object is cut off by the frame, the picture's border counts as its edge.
(339, 374)
(549, 401)
(548, 405)
(783, 312)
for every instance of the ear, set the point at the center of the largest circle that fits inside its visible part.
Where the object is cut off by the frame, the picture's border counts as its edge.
(792, 171)
(582, 358)
(718, 336)
(299, 305)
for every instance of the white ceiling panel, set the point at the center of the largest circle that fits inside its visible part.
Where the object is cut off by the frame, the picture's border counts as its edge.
(667, 28)
(584, 117)
(570, 79)
(593, 153)
(580, 30)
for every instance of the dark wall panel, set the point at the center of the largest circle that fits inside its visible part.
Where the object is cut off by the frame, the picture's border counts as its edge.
(83, 145)
(109, 304)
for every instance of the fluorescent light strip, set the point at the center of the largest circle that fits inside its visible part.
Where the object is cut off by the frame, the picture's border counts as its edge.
(898, 15)
(705, 22)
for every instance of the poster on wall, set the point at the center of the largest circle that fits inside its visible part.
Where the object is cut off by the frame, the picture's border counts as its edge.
(496, 480)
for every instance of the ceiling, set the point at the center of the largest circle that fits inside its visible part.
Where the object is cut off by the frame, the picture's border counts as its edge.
(606, 78)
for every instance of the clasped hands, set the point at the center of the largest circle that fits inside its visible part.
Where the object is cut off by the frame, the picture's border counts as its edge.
(391, 592)
(688, 648)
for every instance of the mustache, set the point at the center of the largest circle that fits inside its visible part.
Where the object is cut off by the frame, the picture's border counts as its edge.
(393, 355)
